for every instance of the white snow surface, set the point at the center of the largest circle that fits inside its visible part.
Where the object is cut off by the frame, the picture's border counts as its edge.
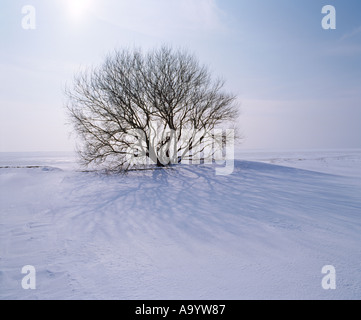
(264, 232)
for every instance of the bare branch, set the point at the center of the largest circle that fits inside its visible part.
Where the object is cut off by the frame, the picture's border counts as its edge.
(139, 104)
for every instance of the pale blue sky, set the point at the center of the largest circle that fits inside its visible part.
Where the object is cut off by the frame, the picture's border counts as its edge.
(299, 85)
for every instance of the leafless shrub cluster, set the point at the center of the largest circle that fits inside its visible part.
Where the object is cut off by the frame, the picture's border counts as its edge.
(161, 105)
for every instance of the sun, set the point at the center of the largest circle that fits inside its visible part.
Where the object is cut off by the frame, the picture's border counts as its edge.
(78, 8)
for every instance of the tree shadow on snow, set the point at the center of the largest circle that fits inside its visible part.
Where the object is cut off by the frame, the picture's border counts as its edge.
(192, 201)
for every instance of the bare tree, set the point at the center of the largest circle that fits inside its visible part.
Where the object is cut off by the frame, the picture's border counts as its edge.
(161, 107)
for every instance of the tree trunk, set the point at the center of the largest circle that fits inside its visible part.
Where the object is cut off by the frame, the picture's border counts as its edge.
(159, 164)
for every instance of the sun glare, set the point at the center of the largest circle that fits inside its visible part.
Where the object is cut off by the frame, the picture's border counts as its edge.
(78, 8)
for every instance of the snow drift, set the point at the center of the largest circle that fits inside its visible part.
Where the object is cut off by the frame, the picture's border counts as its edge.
(264, 232)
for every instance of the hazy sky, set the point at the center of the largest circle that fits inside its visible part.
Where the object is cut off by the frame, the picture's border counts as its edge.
(299, 85)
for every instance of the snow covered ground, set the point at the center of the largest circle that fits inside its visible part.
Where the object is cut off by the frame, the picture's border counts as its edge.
(264, 232)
